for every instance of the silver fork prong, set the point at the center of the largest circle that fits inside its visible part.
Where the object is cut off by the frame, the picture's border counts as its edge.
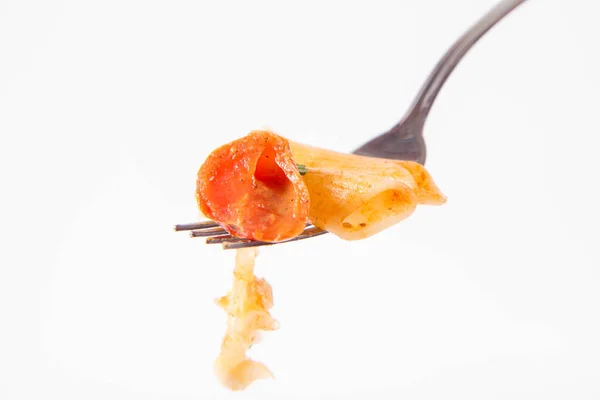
(225, 239)
(195, 225)
(308, 233)
(208, 232)
(245, 244)
(211, 228)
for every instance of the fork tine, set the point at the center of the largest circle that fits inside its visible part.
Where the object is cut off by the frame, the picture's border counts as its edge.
(208, 232)
(227, 238)
(215, 234)
(308, 233)
(195, 225)
(224, 239)
(244, 244)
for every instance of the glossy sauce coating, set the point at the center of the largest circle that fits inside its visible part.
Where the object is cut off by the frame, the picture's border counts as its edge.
(252, 187)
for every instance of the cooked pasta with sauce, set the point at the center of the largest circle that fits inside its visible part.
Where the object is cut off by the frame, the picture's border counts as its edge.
(266, 188)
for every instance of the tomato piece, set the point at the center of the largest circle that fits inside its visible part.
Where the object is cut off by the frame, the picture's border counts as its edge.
(253, 189)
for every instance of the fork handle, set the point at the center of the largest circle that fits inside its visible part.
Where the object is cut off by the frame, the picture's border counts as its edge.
(405, 140)
(419, 110)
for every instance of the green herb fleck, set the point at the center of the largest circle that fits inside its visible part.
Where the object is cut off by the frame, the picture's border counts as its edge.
(301, 169)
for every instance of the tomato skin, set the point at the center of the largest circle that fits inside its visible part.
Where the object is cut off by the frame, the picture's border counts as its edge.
(253, 189)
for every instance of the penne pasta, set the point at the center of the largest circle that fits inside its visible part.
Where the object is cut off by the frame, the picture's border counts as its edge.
(253, 188)
(355, 197)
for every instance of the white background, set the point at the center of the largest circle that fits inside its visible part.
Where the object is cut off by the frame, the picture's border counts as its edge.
(108, 108)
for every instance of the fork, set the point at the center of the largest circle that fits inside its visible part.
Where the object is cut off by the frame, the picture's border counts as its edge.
(403, 142)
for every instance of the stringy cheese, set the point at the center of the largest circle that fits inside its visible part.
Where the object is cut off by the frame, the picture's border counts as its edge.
(247, 306)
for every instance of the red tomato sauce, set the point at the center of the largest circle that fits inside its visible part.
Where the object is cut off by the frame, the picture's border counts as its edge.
(253, 189)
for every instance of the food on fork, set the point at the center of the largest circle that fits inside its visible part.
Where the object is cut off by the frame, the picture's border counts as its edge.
(355, 197)
(266, 188)
(253, 188)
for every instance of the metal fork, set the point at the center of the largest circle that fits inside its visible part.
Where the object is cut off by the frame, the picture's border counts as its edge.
(403, 142)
